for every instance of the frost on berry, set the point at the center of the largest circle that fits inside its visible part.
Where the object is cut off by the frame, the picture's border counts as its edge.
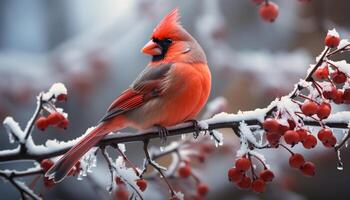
(332, 39)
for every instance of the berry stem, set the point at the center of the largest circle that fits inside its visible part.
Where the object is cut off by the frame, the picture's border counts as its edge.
(262, 162)
(286, 148)
(251, 167)
(317, 86)
(308, 98)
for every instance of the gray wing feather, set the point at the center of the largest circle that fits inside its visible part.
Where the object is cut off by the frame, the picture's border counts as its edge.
(148, 75)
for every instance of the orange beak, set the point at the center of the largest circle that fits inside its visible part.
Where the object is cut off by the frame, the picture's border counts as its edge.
(152, 49)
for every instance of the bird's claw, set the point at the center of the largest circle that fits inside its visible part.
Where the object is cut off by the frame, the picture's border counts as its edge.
(163, 133)
(197, 128)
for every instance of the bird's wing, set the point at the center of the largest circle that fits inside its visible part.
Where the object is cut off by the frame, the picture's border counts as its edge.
(148, 85)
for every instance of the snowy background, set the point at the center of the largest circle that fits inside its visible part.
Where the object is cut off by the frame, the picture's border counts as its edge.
(94, 48)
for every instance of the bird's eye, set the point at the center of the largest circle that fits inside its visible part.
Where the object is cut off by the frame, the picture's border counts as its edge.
(168, 41)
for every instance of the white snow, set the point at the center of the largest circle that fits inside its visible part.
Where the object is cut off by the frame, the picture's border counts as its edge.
(342, 66)
(343, 43)
(13, 129)
(333, 32)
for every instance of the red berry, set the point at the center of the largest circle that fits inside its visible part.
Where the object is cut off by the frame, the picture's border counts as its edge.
(258, 186)
(243, 164)
(291, 124)
(308, 169)
(271, 125)
(332, 41)
(309, 108)
(310, 142)
(41, 123)
(322, 73)
(330, 93)
(291, 137)
(267, 175)
(346, 94)
(202, 189)
(119, 181)
(62, 97)
(49, 183)
(324, 110)
(184, 171)
(46, 164)
(63, 124)
(283, 128)
(302, 134)
(269, 11)
(122, 193)
(338, 97)
(234, 175)
(330, 142)
(142, 184)
(273, 138)
(338, 77)
(55, 118)
(245, 183)
(324, 134)
(296, 160)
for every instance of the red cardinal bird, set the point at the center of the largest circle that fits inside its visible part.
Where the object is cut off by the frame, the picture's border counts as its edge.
(172, 89)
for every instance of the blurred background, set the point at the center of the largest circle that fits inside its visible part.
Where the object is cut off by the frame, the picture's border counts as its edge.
(94, 48)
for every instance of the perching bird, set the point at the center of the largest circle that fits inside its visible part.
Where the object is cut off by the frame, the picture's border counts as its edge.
(172, 89)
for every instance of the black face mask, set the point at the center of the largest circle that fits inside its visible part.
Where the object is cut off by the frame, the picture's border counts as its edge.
(164, 45)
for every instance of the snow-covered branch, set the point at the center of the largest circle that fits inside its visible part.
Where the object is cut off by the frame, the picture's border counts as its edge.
(294, 117)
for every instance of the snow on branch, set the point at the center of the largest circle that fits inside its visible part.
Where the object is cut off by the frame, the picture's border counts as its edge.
(286, 122)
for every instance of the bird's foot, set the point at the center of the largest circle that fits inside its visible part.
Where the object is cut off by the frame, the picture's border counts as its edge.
(197, 128)
(163, 133)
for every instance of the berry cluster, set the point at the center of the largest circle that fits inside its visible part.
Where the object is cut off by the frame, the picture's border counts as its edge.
(269, 10)
(238, 175)
(325, 85)
(54, 119)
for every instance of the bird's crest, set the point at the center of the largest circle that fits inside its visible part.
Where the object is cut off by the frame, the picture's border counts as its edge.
(169, 26)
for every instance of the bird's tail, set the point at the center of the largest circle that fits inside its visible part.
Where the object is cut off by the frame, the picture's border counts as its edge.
(61, 168)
